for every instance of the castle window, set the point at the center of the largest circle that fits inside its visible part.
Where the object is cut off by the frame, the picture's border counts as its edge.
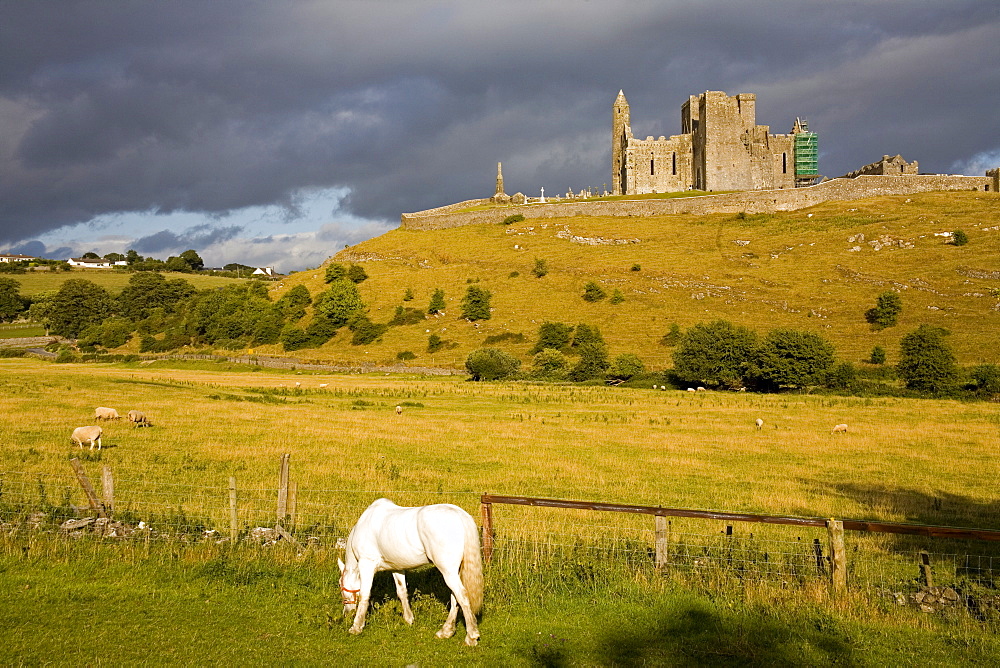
(784, 163)
(652, 169)
(675, 164)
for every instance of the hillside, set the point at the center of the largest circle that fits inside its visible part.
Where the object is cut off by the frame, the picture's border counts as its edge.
(806, 269)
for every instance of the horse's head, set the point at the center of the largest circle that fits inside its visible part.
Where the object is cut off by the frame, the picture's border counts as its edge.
(350, 586)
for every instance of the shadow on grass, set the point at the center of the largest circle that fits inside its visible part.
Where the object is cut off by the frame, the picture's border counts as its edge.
(696, 635)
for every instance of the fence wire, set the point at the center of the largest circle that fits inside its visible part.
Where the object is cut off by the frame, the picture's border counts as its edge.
(915, 572)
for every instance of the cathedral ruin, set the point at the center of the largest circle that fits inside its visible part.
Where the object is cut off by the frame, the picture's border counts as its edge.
(721, 148)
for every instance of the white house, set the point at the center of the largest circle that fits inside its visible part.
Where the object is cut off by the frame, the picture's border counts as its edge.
(6, 257)
(263, 271)
(95, 263)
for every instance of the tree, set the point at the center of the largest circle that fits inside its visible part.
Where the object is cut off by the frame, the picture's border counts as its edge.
(593, 362)
(294, 338)
(175, 263)
(673, 337)
(12, 304)
(294, 302)
(586, 335)
(788, 357)
(476, 303)
(339, 302)
(193, 259)
(986, 378)
(886, 312)
(491, 364)
(114, 257)
(592, 292)
(437, 302)
(718, 353)
(90, 255)
(554, 335)
(541, 268)
(131, 257)
(78, 304)
(335, 272)
(926, 363)
(149, 290)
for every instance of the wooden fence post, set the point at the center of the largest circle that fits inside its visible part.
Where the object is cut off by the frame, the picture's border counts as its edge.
(925, 568)
(88, 489)
(838, 557)
(232, 507)
(283, 489)
(661, 555)
(486, 510)
(108, 484)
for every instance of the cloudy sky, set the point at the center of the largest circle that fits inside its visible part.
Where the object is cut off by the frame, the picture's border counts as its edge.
(276, 132)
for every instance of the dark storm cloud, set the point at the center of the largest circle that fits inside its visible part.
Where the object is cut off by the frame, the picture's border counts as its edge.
(166, 241)
(216, 106)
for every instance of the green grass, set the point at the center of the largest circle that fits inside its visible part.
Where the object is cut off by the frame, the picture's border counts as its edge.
(18, 331)
(34, 282)
(584, 595)
(796, 271)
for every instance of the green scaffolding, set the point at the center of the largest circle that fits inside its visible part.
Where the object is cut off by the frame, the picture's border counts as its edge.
(806, 155)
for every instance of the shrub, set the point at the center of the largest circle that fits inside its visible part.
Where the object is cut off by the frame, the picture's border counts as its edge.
(476, 304)
(339, 303)
(513, 274)
(616, 297)
(592, 292)
(986, 379)
(506, 336)
(292, 338)
(541, 268)
(408, 295)
(335, 272)
(407, 316)
(65, 356)
(959, 238)
(404, 355)
(434, 343)
(625, 366)
(491, 364)
(357, 274)
(365, 331)
(926, 363)
(550, 364)
(886, 312)
(636, 267)
(842, 376)
(437, 302)
(593, 362)
(587, 335)
(877, 356)
(319, 331)
(515, 218)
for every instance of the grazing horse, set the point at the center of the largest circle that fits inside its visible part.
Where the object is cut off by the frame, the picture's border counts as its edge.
(388, 537)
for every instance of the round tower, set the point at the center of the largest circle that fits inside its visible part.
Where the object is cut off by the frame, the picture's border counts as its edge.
(621, 132)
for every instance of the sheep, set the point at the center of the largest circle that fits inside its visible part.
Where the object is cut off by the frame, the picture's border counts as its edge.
(399, 410)
(760, 423)
(102, 413)
(839, 428)
(322, 385)
(690, 389)
(138, 419)
(298, 384)
(89, 435)
(701, 389)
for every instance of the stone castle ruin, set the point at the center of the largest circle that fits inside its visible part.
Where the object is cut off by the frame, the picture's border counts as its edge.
(721, 148)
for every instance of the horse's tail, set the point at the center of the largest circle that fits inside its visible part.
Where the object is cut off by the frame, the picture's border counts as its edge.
(471, 571)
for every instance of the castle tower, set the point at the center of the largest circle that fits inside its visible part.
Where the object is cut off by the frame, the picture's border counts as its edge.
(621, 132)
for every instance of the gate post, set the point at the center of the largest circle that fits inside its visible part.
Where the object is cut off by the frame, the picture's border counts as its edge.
(486, 510)
(838, 557)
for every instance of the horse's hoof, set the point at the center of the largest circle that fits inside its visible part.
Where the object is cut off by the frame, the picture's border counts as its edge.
(443, 635)
(354, 631)
(471, 642)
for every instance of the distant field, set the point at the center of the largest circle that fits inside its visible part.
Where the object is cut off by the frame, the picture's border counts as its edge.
(10, 331)
(34, 282)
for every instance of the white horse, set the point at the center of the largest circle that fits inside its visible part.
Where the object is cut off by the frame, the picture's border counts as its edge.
(388, 537)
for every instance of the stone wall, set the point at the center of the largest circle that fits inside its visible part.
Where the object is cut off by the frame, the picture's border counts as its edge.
(759, 201)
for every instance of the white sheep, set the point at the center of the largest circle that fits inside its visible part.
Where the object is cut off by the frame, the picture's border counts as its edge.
(103, 413)
(138, 418)
(323, 385)
(839, 428)
(690, 389)
(89, 435)
(701, 389)
(399, 410)
(760, 423)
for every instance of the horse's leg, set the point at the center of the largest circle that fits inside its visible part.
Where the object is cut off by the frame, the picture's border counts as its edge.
(458, 594)
(366, 591)
(400, 580)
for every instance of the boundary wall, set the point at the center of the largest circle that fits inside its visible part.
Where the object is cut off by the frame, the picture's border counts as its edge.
(753, 201)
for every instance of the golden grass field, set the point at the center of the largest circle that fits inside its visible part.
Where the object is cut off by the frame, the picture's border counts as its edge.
(34, 282)
(926, 461)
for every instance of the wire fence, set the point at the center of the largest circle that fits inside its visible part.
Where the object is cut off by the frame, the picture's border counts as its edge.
(540, 545)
